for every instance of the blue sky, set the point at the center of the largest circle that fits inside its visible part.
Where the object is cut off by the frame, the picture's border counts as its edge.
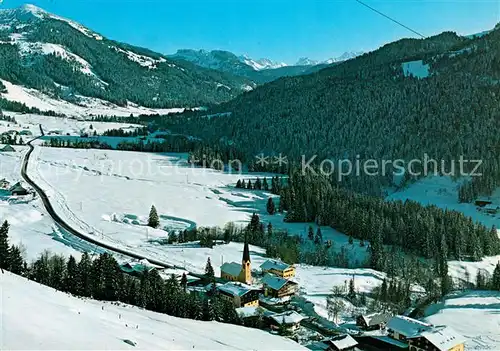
(282, 30)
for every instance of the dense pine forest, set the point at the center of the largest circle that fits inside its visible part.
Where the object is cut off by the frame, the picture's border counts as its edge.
(368, 107)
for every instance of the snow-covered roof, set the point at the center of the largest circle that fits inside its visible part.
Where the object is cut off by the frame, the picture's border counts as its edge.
(232, 268)
(343, 342)
(248, 311)
(235, 289)
(273, 264)
(253, 311)
(407, 326)
(274, 282)
(288, 317)
(376, 318)
(492, 207)
(443, 337)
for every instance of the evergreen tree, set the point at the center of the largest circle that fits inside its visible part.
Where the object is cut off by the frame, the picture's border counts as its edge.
(153, 220)
(495, 282)
(258, 184)
(249, 185)
(84, 283)
(184, 281)
(16, 262)
(265, 185)
(4, 246)
(480, 280)
(310, 233)
(352, 290)
(318, 239)
(238, 184)
(71, 278)
(209, 270)
(271, 209)
(269, 230)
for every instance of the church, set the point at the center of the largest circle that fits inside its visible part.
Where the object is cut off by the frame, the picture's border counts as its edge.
(236, 272)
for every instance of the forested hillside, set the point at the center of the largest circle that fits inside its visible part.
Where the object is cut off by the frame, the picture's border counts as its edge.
(373, 107)
(43, 51)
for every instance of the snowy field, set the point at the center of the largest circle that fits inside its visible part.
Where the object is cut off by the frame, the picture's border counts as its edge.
(66, 126)
(88, 106)
(474, 314)
(109, 193)
(316, 284)
(35, 317)
(443, 192)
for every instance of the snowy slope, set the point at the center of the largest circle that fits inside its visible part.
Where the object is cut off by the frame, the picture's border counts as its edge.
(474, 314)
(39, 318)
(88, 106)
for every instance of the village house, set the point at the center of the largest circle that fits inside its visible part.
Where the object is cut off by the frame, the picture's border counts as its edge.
(278, 268)
(137, 268)
(278, 287)
(18, 190)
(290, 320)
(440, 338)
(343, 342)
(401, 328)
(373, 321)
(239, 294)
(236, 272)
(254, 313)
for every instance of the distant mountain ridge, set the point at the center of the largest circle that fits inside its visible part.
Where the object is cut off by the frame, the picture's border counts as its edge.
(62, 58)
(260, 71)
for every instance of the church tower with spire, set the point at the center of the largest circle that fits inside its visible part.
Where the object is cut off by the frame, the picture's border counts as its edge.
(246, 269)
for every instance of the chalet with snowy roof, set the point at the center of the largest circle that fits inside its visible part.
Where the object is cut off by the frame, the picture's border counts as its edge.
(238, 273)
(278, 287)
(241, 295)
(7, 148)
(492, 209)
(481, 202)
(341, 343)
(438, 338)
(18, 190)
(373, 321)
(290, 320)
(402, 328)
(278, 268)
(137, 268)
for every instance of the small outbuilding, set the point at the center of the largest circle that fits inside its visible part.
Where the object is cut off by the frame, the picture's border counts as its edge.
(18, 190)
(7, 148)
(4, 184)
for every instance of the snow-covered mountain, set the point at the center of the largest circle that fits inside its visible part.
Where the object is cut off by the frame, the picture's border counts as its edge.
(305, 61)
(262, 63)
(65, 59)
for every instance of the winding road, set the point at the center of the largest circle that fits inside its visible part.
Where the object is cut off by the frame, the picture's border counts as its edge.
(63, 224)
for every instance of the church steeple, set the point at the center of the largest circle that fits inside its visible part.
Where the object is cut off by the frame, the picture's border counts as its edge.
(246, 269)
(246, 253)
